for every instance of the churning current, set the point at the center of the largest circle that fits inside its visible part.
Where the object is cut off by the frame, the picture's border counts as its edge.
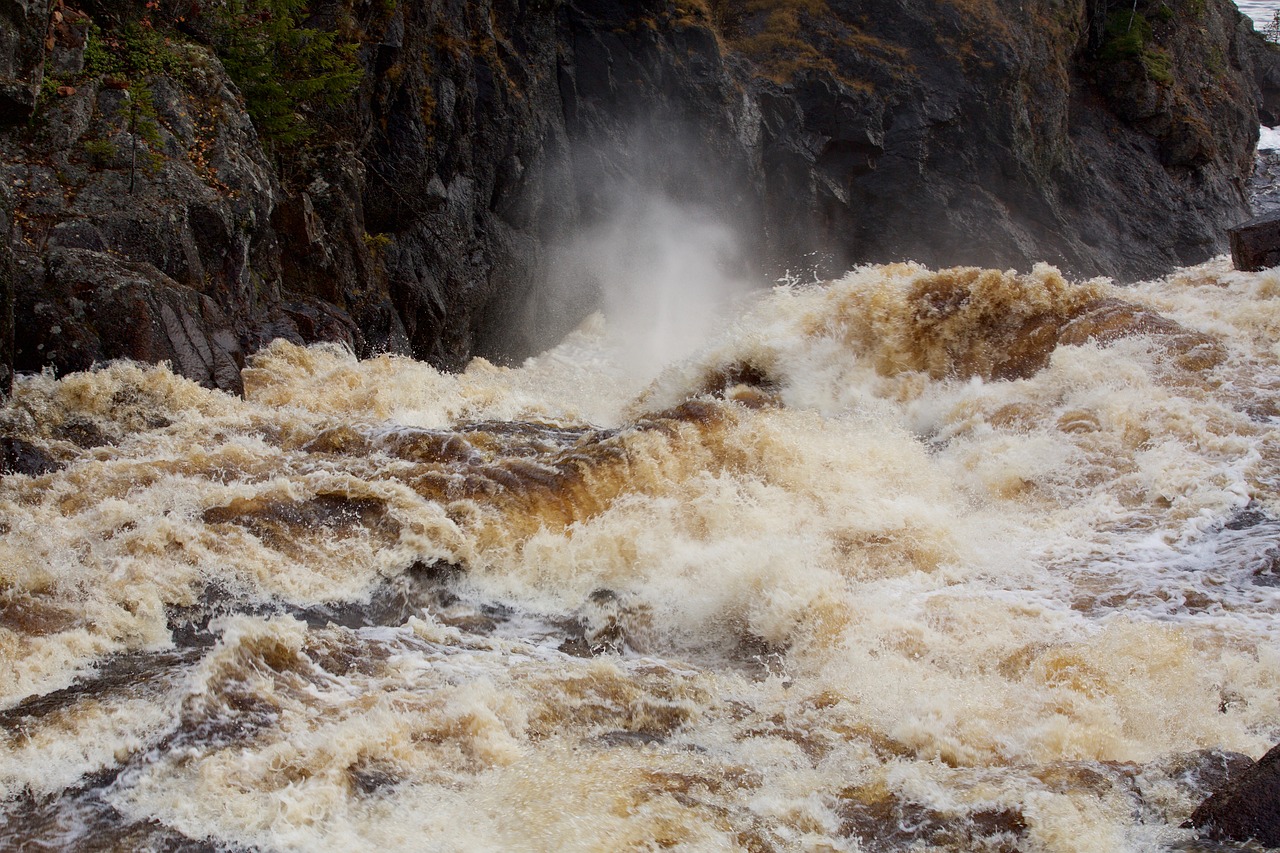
(952, 560)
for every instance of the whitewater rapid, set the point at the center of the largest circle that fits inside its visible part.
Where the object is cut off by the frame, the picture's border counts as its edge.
(955, 560)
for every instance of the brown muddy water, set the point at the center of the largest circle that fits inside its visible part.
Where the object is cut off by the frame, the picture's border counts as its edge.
(958, 561)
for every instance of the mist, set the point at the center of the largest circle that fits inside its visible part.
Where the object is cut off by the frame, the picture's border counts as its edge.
(662, 272)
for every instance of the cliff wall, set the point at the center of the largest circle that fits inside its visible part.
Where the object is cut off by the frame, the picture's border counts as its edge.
(153, 215)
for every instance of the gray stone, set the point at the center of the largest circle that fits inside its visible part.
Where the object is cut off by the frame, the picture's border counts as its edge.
(23, 24)
(1255, 245)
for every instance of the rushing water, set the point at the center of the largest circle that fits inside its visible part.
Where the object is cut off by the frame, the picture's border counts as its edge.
(952, 561)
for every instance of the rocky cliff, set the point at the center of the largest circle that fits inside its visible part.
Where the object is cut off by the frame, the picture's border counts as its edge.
(156, 210)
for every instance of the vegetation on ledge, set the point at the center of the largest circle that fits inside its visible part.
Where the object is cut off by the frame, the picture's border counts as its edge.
(285, 69)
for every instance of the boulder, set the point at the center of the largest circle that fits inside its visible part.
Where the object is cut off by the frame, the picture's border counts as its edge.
(19, 456)
(1246, 809)
(1255, 245)
(94, 307)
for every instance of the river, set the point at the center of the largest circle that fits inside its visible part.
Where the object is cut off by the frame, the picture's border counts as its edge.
(959, 560)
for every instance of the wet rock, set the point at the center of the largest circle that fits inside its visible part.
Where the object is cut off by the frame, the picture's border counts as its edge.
(1204, 771)
(1109, 320)
(419, 588)
(743, 383)
(95, 307)
(1255, 245)
(334, 514)
(19, 456)
(370, 778)
(606, 623)
(882, 820)
(82, 820)
(1251, 515)
(390, 604)
(82, 432)
(1247, 808)
(1264, 185)
(1266, 571)
(125, 676)
(634, 739)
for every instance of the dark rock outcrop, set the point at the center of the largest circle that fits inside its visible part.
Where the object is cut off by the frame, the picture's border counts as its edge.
(1247, 808)
(124, 309)
(22, 52)
(6, 292)
(428, 215)
(1255, 245)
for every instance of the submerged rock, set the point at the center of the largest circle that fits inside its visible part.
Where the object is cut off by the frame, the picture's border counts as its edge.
(1247, 808)
(19, 456)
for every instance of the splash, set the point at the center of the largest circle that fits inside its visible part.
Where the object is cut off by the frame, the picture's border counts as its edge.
(664, 272)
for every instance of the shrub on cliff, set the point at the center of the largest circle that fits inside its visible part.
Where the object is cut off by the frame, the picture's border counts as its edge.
(1129, 36)
(284, 68)
(1271, 29)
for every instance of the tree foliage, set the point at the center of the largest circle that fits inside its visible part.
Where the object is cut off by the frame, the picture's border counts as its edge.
(1271, 29)
(285, 69)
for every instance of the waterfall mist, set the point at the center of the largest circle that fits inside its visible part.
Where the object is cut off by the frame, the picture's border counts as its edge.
(662, 272)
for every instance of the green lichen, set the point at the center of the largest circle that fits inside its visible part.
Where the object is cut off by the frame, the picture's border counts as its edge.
(377, 244)
(1128, 37)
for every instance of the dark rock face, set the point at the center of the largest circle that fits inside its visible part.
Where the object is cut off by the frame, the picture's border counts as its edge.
(6, 293)
(428, 215)
(1248, 808)
(1255, 245)
(150, 243)
(22, 52)
(126, 310)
